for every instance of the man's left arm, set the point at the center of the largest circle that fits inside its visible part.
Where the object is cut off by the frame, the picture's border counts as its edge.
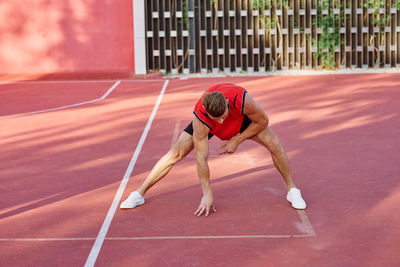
(257, 115)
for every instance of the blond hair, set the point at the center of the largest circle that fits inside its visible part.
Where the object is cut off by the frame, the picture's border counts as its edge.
(214, 103)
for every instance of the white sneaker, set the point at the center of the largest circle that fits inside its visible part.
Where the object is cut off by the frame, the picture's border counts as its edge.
(294, 197)
(134, 199)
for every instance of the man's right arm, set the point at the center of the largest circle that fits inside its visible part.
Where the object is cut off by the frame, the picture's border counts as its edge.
(200, 139)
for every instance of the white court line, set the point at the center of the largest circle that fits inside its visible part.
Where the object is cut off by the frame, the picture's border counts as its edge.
(75, 81)
(206, 237)
(46, 239)
(107, 222)
(154, 238)
(67, 106)
(306, 222)
(303, 216)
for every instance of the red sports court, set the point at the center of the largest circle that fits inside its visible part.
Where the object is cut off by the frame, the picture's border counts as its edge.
(72, 150)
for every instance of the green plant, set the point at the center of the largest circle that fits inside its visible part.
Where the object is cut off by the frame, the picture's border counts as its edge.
(330, 38)
(282, 3)
(272, 21)
(260, 4)
(378, 20)
(184, 20)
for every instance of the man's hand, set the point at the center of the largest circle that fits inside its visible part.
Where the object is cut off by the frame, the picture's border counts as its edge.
(230, 146)
(206, 204)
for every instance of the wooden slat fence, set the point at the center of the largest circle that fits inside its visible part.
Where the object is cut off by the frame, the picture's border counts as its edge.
(210, 36)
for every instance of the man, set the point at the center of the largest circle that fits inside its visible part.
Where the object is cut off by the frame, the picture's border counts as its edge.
(230, 113)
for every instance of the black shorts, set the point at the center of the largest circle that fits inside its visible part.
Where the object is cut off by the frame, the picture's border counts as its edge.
(246, 122)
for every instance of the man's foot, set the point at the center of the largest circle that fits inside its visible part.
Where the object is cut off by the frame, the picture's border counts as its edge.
(294, 197)
(134, 199)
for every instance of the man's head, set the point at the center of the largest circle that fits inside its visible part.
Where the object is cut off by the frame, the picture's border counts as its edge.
(216, 105)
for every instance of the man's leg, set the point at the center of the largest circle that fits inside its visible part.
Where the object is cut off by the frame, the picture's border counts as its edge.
(162, 167)
(268, 139)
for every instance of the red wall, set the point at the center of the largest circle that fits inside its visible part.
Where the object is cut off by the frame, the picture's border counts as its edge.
(80, 36)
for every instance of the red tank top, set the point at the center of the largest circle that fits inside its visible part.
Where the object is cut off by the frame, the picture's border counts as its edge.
(231, 125)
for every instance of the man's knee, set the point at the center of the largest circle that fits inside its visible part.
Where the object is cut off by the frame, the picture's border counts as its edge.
(181, 149)
(269, 139)
(275, 144)
(176, 154)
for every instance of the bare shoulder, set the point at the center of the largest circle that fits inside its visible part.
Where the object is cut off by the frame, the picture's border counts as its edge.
(200, 130)
(251, 105)
(253, 110)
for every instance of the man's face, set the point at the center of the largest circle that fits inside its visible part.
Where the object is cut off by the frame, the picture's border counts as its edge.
(221, 118)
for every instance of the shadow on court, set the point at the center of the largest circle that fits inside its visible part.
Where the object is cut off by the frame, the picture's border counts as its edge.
(61, 170)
